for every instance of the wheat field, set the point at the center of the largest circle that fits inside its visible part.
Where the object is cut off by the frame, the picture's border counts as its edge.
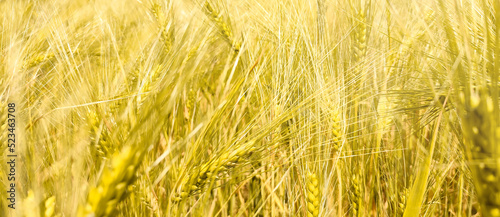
(249, 108)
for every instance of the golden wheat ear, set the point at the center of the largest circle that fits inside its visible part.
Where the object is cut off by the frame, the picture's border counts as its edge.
(222, 24)
(49, 205)
(209, 171)
(114, 184)
(356, 196)
(313, 196)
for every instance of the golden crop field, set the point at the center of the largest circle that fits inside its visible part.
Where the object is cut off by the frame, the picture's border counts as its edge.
(258, 108)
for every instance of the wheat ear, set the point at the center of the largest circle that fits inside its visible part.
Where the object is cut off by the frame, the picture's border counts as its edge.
(114, 184)
(222, 25)
(313, 197)
(50, 204)
(157, 11)
(336, 131)
(36, 60)
(360, 35)
(209, 171)
(356, 201)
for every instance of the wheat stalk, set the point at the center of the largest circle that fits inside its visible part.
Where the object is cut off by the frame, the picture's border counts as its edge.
(482, 133)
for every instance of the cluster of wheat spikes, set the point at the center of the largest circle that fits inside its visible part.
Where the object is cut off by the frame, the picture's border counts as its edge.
(251, 108)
